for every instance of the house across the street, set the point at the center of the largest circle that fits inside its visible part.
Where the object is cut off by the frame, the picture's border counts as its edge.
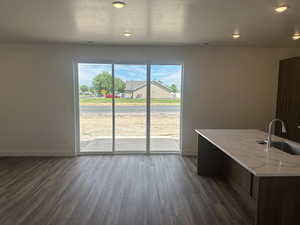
(138, 89)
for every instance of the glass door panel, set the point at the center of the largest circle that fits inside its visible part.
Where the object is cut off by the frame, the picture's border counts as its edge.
(96, 127)
(165, 101)
(130, 107)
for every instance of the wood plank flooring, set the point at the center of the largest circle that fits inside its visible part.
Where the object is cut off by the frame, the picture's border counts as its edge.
(114, 190)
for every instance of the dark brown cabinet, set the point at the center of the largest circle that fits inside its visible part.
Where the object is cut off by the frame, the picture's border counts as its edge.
(288, 98)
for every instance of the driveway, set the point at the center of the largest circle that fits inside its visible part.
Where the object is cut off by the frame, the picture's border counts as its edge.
(130, 109)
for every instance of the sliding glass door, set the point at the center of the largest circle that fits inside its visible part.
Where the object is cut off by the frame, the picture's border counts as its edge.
(165, 99)
(95, 107)
(127, 108)
(130, 107)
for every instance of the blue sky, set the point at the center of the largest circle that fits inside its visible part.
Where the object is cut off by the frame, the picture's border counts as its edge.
(168, 74)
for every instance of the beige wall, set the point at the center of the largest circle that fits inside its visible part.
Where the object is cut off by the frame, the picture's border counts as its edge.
(140, 93)
(156, 92)
(223, 88)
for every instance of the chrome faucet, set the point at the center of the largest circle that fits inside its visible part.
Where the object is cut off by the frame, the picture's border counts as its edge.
(283, 130)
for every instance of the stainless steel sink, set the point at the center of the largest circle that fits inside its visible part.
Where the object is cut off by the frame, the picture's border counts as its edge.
(287, 147)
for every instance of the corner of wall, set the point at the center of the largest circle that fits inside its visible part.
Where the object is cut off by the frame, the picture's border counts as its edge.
(188, 152)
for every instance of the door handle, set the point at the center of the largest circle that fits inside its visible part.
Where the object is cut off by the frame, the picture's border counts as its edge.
(298, 127)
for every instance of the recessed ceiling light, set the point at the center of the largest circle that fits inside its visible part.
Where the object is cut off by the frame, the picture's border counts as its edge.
(119, 4)
(127, 34)
(296, 36)
(281, 8)
(236, 36)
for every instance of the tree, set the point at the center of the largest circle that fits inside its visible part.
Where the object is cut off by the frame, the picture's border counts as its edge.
(92, 90)
(173, 87)
(84, 88)
(119, 85)
(103, 83)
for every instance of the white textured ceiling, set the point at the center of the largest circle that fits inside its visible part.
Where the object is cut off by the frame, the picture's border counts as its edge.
(166, 22)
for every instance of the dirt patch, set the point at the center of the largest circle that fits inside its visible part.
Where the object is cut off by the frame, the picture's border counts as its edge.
(100, 125)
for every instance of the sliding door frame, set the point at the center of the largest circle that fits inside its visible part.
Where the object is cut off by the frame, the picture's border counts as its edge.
(114, 115)
(148, 108)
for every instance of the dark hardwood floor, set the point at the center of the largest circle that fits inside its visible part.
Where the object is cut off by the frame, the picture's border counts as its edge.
(114, 190)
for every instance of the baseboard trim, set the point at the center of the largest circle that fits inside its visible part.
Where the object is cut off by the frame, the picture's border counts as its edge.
(36, 154)
(20, 153)
(188, 152)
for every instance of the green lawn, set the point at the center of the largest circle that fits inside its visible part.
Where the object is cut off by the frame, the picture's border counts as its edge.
(95, 100)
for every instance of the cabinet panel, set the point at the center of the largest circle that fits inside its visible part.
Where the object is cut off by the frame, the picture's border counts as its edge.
(278, 201)
(288, 98)
(238, 176)
(254, 188)
(210, 158)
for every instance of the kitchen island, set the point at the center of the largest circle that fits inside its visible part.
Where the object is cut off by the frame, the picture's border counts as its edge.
(267, 181)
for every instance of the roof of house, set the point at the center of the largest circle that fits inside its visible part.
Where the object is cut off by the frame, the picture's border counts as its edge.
(133, 85)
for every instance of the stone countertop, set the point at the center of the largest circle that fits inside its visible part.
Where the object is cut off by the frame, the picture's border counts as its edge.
(242, 146)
